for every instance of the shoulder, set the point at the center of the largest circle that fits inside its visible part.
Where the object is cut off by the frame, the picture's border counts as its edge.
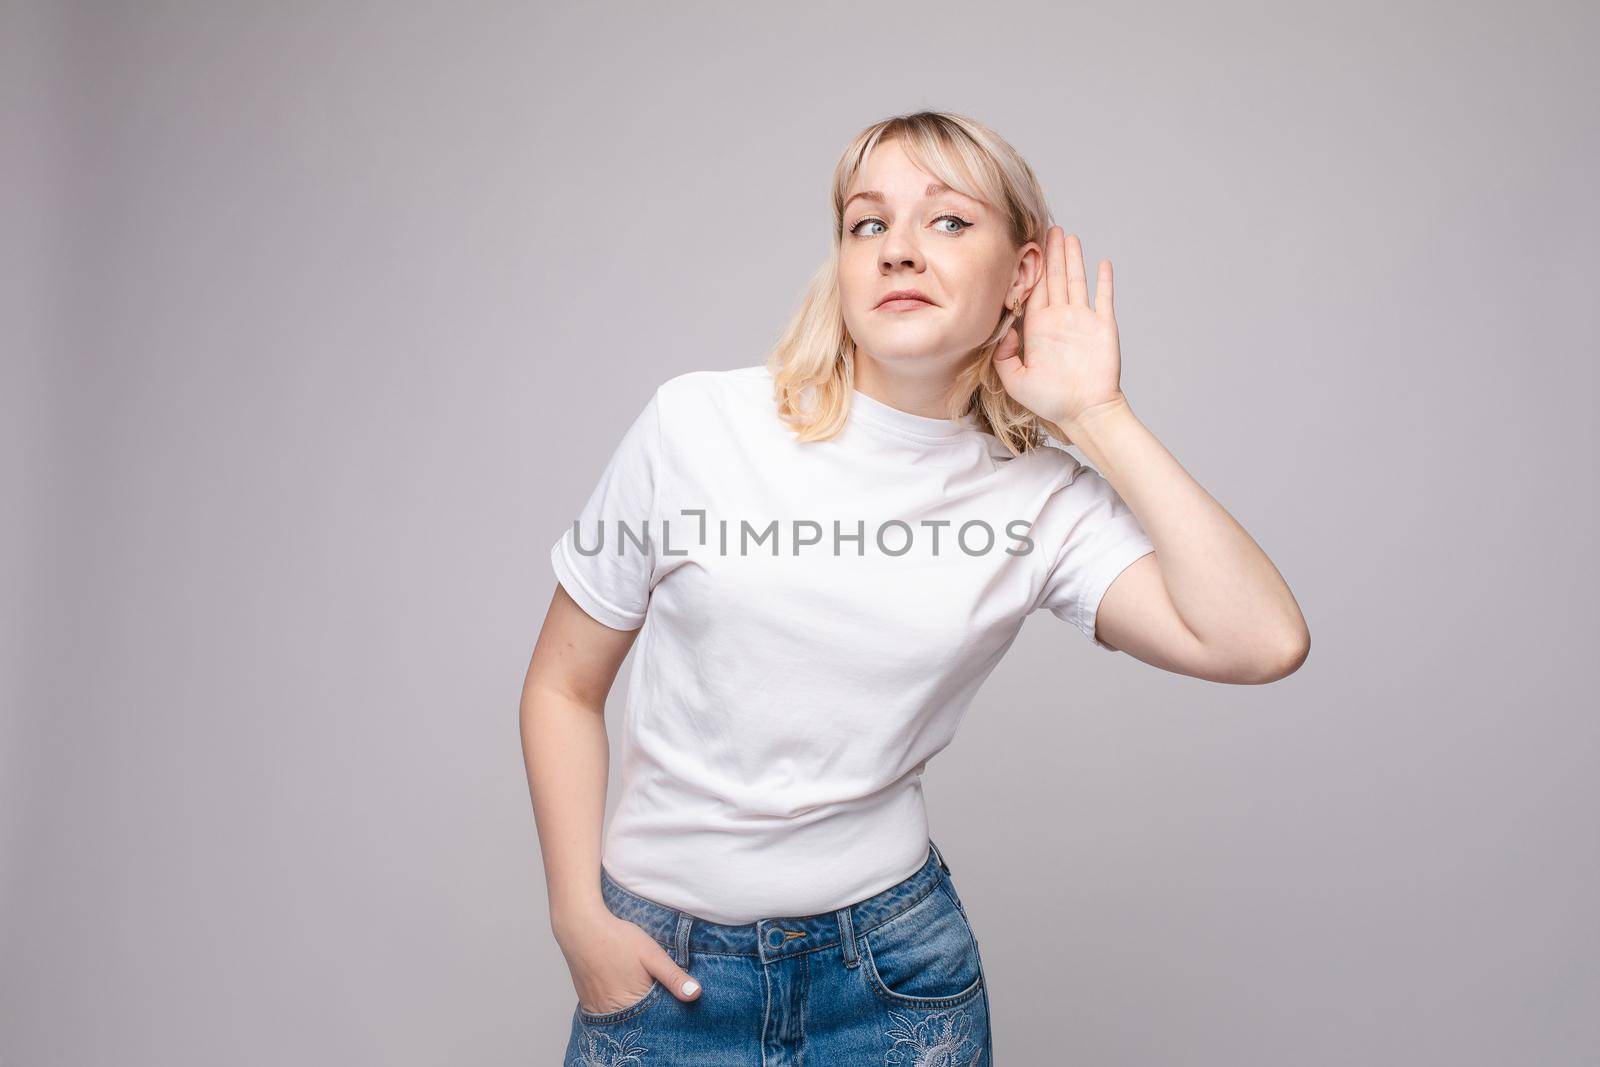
(716, 386)
(1065, 488)
(695, 399)
(1049, 466)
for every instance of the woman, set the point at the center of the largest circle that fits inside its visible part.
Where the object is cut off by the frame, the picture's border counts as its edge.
(826, 555)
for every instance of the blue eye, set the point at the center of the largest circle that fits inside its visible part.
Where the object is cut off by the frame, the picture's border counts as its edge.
(855, 230)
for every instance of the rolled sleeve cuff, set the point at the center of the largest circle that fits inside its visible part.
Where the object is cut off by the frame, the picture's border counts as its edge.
(598, 608)
(1115, 562)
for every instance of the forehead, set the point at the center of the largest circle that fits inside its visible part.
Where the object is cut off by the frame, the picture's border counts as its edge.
(888, 173)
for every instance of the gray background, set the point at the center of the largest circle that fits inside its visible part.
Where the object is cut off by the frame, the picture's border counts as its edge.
(322, 320)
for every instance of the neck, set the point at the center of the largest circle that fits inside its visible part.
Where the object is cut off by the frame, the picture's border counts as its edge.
(921, 394)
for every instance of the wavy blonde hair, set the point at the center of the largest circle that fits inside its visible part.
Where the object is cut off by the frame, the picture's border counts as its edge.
(813, 363)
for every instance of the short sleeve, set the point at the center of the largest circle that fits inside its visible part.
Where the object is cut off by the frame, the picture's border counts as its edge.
(606, 558)
(1102, 537)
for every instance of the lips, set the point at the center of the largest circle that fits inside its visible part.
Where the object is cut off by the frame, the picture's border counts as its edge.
(900, 295)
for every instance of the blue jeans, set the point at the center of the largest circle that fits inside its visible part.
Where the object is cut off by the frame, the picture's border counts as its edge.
(890, 981)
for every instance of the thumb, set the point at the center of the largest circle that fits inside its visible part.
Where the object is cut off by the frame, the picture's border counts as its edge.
(665, 970)
(1009, 345)
(1007, 359)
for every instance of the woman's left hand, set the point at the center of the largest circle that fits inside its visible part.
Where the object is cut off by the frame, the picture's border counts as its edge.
(1067, 362)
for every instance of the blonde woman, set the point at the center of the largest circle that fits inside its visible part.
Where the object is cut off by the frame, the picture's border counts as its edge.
(823, 557)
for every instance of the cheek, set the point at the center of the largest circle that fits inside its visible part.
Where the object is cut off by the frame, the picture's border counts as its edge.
(975, 272)
(858, 280)
(851, 268)
(980, 290)
(850, 283)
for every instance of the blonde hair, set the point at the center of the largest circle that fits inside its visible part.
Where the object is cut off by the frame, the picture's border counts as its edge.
(813, 363)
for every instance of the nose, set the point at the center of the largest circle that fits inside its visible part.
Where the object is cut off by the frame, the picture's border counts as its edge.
(900, 249)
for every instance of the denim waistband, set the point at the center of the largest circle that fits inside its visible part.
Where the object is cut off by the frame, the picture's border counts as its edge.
(776, 937)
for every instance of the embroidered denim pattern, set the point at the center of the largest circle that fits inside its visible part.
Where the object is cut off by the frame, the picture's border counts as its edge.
(599, 1049)
(895, 979)
(941, 1040)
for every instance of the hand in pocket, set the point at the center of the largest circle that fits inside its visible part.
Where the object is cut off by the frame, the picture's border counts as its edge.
(615, 964)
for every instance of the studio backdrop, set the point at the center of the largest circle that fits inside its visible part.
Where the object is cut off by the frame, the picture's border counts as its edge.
(323, 319)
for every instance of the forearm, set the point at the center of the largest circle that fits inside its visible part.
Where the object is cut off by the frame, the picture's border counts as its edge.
(565, 749)
(1225, 589)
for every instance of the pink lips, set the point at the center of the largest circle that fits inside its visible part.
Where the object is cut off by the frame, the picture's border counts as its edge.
(904, 300)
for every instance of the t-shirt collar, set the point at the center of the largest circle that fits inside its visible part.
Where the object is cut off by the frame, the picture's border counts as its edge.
(906, 424)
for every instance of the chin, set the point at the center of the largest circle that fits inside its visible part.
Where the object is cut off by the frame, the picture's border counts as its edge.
(915, 343)
(898, 349)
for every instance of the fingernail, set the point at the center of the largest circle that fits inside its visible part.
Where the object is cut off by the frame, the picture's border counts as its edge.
(689, 987)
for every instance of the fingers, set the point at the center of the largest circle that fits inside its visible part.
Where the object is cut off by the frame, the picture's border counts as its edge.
(1039, 295)
(1055, 266)
(666, 971)
(1103, 300)
(1065, 279)
(1077, 282)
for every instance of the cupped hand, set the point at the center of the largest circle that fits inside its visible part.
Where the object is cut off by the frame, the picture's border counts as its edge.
(614, 962)
(1066, 362)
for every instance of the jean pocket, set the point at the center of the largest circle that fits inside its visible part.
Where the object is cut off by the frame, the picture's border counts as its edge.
(925, 957)
(600, 1018)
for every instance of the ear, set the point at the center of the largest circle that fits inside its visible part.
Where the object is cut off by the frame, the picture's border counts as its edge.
(1029, 270)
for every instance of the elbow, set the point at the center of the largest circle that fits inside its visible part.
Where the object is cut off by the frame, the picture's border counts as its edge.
(1267, 660)
(1287, 656)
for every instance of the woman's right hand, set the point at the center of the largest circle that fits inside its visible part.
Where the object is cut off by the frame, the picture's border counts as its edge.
(613, 962)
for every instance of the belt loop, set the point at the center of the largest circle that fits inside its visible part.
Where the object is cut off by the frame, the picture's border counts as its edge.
(847, 937)
(685, 920)
(939, 856)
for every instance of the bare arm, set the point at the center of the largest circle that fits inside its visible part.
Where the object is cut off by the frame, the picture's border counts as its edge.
(565, 748)
(1208, 602)
(567, 753)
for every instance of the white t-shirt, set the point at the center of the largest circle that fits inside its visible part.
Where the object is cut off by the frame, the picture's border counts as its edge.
(781, 707)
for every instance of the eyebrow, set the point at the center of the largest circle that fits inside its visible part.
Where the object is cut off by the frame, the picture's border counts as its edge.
(933, 189)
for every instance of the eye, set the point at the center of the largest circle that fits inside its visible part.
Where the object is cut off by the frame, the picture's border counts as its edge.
(856, 228)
